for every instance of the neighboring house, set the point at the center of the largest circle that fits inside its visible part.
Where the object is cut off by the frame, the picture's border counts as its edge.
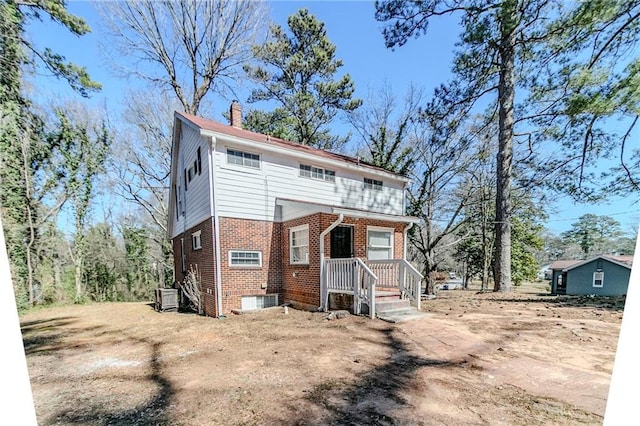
(264, 221)
(559, 275)
(604, 275)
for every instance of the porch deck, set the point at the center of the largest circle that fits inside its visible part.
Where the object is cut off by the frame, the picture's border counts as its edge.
(369, 281)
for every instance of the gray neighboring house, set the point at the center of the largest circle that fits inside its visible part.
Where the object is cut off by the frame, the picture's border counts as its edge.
(604, 275)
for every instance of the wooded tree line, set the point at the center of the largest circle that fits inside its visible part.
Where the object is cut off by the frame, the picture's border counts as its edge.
(535, 88)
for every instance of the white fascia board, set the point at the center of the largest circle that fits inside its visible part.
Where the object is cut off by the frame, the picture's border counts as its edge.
(593, 259)
(175, 147)
(375, 216)
(314, 159)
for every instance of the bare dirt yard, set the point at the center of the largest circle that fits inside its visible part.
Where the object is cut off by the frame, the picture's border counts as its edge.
(476, 359)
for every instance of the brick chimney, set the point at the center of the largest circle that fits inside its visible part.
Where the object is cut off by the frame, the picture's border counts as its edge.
(235, 113)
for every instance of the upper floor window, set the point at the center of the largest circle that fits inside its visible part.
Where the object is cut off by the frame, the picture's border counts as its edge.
(241, 158)
(373, 184)
(299, 244)
(317, 173)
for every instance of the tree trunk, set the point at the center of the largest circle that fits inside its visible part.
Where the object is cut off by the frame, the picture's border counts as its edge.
(506, 95)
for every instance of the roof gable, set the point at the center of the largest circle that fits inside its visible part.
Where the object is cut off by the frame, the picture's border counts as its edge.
(602, 257)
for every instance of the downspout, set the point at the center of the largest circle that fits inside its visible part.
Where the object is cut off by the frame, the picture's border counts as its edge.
(322, 235)
(406, 231)
(216, 225)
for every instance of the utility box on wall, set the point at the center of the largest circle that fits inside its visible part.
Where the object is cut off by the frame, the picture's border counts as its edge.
(166, 299)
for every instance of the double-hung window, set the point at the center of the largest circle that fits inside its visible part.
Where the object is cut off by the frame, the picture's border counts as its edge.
(379, 243)
(242, 158)
(598, 279)
(299, 245)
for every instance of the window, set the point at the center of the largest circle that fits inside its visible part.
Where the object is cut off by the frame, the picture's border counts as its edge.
(317, 173)
(243, 158)
(379, 243)
(185, 179)
(196, 240)
(598, 279)
(179, 210)
(373, 184)
(299, 244)
(245, 258)
(198, 164)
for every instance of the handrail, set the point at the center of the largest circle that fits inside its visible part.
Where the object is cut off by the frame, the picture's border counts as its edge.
(413, 290)
(366, 268)
(412, 269)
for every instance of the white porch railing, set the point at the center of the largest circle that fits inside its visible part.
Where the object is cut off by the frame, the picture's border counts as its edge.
(398, 274)
(362, 278)
(351, 276)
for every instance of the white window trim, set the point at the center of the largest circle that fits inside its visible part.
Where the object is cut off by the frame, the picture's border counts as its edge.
(196, 240)
(291, 231)
(373, 186)
(241, 166)
(601, 279)
(324, 173)
(232, 265)
(383, 229)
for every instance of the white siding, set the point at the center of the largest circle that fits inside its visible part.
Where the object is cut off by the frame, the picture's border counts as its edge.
(196, 198)
(249, 193)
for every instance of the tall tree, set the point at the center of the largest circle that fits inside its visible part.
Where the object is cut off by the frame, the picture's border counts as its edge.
(583, 96)
(19, 127)
(298, 72)
(384, 128)
(83, 146)
(141, 170)
(192, 48)
(594, 234)
(512, 44)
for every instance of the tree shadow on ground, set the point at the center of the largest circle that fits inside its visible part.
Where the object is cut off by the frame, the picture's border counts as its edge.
(152, 412)
(375, 396)
(46, 336)
(609, 303)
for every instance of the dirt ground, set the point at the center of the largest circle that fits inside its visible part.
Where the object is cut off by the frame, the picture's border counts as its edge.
(476, 359)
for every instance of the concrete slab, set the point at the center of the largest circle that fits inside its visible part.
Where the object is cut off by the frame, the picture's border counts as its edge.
(402, 315)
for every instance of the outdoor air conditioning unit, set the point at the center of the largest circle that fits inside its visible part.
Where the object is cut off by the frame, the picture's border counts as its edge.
(166, 299)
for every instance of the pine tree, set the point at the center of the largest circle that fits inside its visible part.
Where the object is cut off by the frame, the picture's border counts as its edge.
(298, 72)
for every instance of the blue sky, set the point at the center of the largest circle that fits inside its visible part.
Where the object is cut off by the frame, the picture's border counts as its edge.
(351, 26)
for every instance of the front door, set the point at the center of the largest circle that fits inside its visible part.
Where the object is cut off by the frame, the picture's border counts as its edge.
(341, 242)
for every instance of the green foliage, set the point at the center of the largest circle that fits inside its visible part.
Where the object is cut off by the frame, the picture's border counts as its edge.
(277, 123)
(594, 234)
(525, 240)
(297, 72)
(21, 152)
(389, 151)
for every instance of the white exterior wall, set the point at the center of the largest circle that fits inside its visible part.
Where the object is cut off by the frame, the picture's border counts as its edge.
(248, 193)
(196, 198)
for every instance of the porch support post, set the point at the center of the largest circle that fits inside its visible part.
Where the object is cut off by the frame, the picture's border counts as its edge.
(356, 288)
(324, 291)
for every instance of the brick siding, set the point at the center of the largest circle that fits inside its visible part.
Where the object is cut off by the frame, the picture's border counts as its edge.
(297, 284)
(238, 281)
(203, 260)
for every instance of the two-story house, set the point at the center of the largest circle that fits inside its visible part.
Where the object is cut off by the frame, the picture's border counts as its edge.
(265, 221)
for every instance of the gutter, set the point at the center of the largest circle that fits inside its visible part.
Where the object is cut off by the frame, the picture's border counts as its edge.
(216, 226)
(323, 234)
